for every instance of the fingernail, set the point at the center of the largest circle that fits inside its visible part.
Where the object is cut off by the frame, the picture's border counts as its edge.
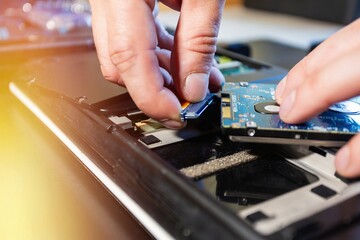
(280, 90)
(287, 105)
(173, 124)
(342, 159)
(196, 85)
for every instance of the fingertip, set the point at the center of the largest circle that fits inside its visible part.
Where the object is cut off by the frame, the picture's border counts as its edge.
(342, 161)
(173, 124)
(216, 80)
(159, 104)
(287, 106)
(280, 90)
(347, 163)
(196, 87)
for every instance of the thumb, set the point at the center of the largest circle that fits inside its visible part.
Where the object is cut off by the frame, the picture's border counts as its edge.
(194, 48)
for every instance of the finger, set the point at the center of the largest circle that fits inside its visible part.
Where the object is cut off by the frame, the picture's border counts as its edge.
(132, 43)
(216, 79)
(327, 52)
(194, 47)
(335, 82)
(163, 56)
(347, 161)
(168, 82)
(99, 25)
(165, 40)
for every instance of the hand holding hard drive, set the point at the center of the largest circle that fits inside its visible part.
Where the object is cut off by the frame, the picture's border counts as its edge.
(327, 75)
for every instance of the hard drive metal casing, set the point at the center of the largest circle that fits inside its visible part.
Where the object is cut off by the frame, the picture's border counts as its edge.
(250, 114)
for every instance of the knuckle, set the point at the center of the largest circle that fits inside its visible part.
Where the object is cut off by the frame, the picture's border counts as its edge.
(306, 66)
(314, 84)
(203, 42)
(303, 70)
(123, 58)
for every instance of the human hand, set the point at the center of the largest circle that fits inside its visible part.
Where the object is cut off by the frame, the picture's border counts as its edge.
(329, 74)
(157, 69)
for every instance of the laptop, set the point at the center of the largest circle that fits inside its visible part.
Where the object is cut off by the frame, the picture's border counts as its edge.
(193, 183)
